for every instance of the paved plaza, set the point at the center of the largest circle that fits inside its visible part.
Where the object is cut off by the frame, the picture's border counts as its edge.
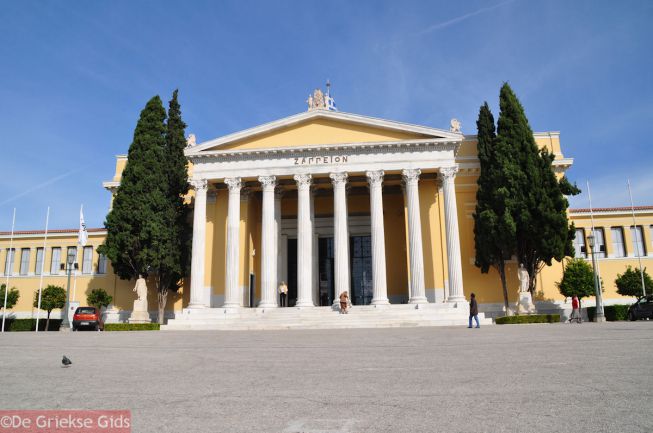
(526, 378)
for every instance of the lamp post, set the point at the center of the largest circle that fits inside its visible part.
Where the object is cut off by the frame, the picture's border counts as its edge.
(70, 263)
(599, 317)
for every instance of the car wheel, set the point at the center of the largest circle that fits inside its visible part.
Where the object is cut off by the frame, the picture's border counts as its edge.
(631, 316)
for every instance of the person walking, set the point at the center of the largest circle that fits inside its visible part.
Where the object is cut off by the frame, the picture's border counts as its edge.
(473, 311)
(344, 302)
(283, 294)
(575, 310)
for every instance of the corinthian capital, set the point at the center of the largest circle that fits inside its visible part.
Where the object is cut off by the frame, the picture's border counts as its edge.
(375, 177)
(268, 181)
(338, 178)
(303, 180)
(199, 184)
(448, 173)
(234, 184)
(411, 175)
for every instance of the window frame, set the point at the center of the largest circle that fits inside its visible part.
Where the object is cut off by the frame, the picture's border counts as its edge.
(642, 241)
(54, 270)
(87, 262)
(23, 269)
(622, 250)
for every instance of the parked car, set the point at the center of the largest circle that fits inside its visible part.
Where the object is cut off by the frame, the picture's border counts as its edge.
(642, 309)
(88, 318)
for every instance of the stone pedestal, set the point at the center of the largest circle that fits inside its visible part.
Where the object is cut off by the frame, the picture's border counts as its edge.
(140, 313)
(112, 314)
(525, 304)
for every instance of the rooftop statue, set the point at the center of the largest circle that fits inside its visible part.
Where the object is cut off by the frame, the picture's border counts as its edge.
(455, 125)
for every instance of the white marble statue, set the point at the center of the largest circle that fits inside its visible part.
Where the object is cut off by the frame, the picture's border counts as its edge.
(310, 102)
(140, 312)
(191, 140)
(522, 274)
(455, 125)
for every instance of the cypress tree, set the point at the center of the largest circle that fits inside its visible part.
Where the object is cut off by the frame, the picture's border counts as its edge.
(178, 229)
(137, 232)
(539, 207)
(494, 227)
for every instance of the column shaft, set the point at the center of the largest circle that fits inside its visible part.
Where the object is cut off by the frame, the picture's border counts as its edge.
(304, 242)
(268, 245)
(417, 291)
(198, 247)
(456, 293)
(340, 235)
(375, 179)
(232, 298)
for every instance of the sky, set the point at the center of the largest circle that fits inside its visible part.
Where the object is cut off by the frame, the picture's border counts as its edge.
(74, 76)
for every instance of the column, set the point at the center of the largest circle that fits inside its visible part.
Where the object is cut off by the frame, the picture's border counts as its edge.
(340, 235)
(304, 241)
(198, 247)
(417, 292)
(375, 180)
(268, 244)
(278, 194)
(456, 293)
(231, 296)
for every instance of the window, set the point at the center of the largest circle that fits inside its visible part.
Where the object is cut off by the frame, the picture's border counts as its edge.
(579, 243)
(56, 261)
(9, 261)
(39, 261)
(102, 264)
(618, 247)
(599, 243)
(24, 261)
(638, 241)
(87, 261)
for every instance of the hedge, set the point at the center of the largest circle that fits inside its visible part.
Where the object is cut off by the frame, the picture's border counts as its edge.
(612, 313)
(531, 318)
(17, 325)
(131, 326)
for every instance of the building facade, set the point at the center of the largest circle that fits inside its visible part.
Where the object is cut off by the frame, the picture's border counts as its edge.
(330, 202)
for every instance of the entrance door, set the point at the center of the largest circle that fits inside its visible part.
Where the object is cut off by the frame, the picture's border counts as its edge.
(292, 272)
(326, 271)
(361, 269)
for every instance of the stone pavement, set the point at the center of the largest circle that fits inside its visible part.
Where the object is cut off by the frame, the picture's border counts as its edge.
(511, 378)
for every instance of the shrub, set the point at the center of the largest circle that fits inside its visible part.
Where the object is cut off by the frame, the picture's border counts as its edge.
(531, 318)
(51, 297)
(630, 282)
(612, 313)
(99, 298)
(12, 297)
(18, 325)
(577, 279)
(131, 326)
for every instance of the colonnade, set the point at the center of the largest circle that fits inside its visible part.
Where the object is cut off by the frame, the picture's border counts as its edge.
(270, 239)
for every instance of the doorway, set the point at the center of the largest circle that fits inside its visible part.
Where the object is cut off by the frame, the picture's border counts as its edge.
(360, 248)
(326, 272)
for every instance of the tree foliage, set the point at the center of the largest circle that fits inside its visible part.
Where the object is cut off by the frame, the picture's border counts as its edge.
(52, 297)
(577, 280)
(99, 298)
(543, 232)
(630, 283)
(12, 296)
(147, 229)
(494, 225)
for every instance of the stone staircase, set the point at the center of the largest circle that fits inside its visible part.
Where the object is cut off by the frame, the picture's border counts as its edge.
(364, 316)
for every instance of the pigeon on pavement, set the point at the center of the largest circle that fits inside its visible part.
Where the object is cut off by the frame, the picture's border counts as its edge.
(66, 362)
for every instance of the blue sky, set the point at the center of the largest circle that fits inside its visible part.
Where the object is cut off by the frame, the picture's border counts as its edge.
(75, 75)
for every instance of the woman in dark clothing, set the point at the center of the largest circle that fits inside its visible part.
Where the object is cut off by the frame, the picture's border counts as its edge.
(473, 312)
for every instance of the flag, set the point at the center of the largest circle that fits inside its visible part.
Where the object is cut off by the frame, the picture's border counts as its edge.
(83, 234)
(330, 103)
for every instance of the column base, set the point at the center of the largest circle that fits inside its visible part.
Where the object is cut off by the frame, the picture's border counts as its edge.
(231, 305)
(418, 300)
(267, 305)
(456, 299)
(304, 304)
(599, 319)
(193, 306)
(380, 301)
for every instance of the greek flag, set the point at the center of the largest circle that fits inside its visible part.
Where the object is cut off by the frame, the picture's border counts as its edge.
(83, 234)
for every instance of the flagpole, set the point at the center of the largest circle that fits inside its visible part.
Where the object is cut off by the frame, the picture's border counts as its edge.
(11, 245)
(79, 241)
(45, 239)
(639, 254)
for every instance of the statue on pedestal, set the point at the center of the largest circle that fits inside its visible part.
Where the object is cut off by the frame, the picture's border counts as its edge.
(525, 304)
(140, 312)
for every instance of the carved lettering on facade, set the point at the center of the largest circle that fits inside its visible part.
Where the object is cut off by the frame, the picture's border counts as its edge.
(317, 160)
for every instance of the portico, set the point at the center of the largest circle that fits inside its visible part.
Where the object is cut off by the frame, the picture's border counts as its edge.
(328, 195)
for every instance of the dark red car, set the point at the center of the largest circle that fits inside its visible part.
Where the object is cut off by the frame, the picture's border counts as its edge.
(89, 318)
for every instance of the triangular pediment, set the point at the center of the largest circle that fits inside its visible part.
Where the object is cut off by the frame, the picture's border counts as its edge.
(320, 127)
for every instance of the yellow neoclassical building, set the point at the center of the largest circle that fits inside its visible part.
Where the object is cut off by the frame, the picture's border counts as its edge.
(326, 202)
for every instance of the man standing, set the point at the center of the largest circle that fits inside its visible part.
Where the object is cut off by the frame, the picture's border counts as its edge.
(283, 294)
(473, 311)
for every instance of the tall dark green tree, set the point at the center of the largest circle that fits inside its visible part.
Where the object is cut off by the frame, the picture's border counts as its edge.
(138, 232)
(543, 232)
(494, 226)
(176, 169)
